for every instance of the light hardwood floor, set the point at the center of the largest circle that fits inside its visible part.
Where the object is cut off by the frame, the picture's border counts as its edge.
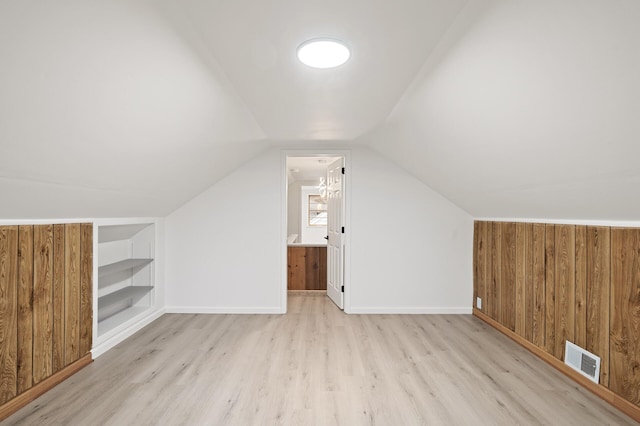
(317, 366)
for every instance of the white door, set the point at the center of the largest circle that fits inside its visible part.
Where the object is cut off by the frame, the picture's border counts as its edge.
(335, 223)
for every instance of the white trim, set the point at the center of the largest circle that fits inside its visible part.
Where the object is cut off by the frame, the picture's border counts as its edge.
(221, 310)
(416, 310)
(112, 341)
(95, 220)
(95, 289)
(124, 220)
(8, 222)
(613, 223)
(315, 152)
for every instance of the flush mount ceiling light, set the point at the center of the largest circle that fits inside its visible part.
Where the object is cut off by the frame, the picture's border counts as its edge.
(323, 53)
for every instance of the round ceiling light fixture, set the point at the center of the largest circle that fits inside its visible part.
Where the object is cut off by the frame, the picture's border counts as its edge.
(323, 53)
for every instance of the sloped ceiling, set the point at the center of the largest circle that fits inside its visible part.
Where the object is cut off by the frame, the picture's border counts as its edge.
(528, 109)
(255, 43)
(132, 107)
(106, 110)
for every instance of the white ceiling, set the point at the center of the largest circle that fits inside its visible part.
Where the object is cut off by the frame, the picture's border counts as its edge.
(255, 43)
(132, 107)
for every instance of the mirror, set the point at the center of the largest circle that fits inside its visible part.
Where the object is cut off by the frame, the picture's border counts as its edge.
(317, 211)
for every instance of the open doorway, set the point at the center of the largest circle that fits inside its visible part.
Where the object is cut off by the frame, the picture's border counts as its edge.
(315, 222)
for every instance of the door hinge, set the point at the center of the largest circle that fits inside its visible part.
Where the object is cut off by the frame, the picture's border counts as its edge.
(343, 170)
(342, 289)
(343, 229)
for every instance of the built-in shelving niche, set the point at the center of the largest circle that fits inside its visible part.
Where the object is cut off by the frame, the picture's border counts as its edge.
(126, 278)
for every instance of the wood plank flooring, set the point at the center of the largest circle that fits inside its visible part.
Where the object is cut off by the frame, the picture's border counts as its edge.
(317, 366)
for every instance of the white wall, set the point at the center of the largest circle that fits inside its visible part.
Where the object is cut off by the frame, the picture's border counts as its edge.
(411, 248)
(414, 255)
(222, 248)
(529, 109)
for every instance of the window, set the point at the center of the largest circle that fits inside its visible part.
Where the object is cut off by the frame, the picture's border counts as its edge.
(317, 211)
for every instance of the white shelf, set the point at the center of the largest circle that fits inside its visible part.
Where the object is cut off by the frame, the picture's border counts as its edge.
(126, 277)
(118, 319)
(111, 233)
(123, 294)
(122, 265)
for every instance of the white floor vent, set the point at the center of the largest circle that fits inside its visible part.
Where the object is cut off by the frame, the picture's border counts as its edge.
(583, 361)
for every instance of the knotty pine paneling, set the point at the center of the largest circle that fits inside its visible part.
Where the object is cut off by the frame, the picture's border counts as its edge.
(46, 274)
(72, 293)
(25, 308)
(567, 282)
(8, 312)
(42, 302)
(493, 292)
(521, 276)
(58, 298)
(476, 237)
(528, 280)
(508, 276)
(581, 287)
(598, 296)
(565, 292)
(86, 288)
(480, 263)
(550, 288)
(625, 314)
(539, 294)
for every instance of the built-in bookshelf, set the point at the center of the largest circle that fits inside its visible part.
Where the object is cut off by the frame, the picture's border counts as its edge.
(126, 275)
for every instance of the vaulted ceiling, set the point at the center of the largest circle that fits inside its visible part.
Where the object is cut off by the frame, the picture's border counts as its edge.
(132, 107)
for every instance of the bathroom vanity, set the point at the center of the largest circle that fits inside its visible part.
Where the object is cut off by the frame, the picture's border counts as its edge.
(307, 266)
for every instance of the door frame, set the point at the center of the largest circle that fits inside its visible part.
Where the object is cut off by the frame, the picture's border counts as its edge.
(346, 154)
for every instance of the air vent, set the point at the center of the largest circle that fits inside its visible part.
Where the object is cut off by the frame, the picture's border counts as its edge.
(583, 361)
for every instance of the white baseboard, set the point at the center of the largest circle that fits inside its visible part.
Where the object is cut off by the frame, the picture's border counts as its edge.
(221, 310)
(411, 310)
(127, 332)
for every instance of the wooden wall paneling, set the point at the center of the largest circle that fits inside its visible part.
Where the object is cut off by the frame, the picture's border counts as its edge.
(8, 312)
(487, 307)
(538, 325)
(508, 278)
(528, 281)
(520, 282)
(565, 276)
(493, 295)
(624, 374)
(580, 337)
(42, 302)
(58, 297)
(25, 308)
(86, 287)
(72, 293)
(598, 255)
(482, 269)
(549, 283)
(550, 289)
(45, 305)
(476, 242)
